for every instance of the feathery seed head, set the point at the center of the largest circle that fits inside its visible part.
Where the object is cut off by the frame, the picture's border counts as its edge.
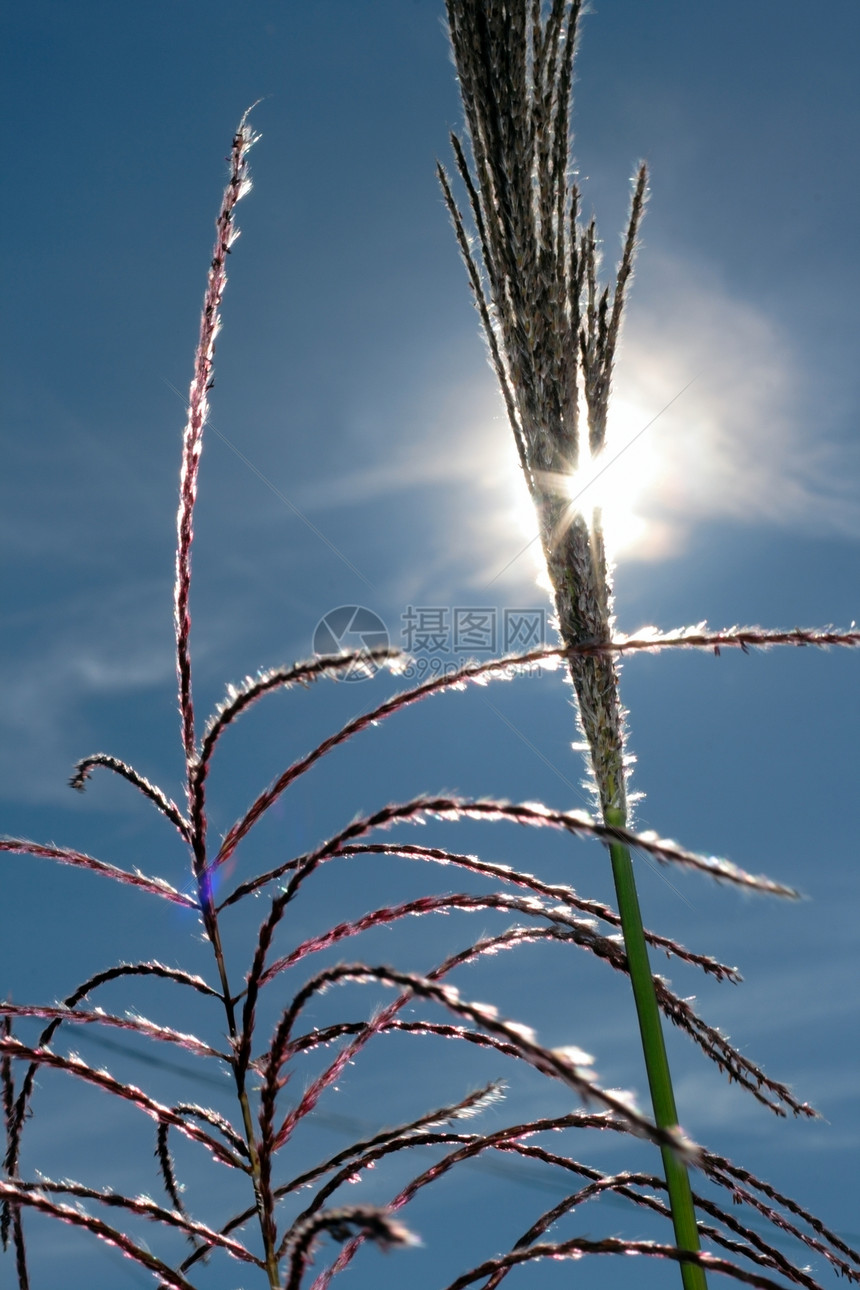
(552, 331)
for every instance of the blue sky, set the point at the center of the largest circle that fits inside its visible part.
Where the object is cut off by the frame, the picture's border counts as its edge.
(359, 455)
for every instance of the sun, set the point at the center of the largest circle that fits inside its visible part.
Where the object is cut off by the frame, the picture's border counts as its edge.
(620, 482)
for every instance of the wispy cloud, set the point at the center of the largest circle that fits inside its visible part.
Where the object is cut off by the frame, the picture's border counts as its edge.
(103, 643)
(737, 431)
(751, 439)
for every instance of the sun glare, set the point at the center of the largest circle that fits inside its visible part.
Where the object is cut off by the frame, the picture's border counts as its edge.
(624, 481)
(620, 480)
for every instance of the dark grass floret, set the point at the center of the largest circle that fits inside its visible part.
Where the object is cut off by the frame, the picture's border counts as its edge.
(152, 792)
(375, 1225)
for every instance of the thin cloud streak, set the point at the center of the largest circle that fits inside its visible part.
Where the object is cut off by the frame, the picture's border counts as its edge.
(107, 643)
(255, 470)
(737, 446)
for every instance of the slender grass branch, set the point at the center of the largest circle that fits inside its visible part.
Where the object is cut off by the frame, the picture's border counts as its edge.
(198, 410)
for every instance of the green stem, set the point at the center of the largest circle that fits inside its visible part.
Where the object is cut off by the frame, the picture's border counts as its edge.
(654, 1050)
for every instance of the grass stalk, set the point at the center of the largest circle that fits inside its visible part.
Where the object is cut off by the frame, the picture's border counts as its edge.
(552, 332)
(654, 1051)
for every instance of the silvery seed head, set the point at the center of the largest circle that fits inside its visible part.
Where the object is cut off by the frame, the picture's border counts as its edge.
(552, 330)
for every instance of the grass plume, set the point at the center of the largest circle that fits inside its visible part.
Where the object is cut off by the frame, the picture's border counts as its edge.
(553, 334)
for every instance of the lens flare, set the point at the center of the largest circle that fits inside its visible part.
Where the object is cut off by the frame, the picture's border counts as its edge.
(622, 482)
(619, 480)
